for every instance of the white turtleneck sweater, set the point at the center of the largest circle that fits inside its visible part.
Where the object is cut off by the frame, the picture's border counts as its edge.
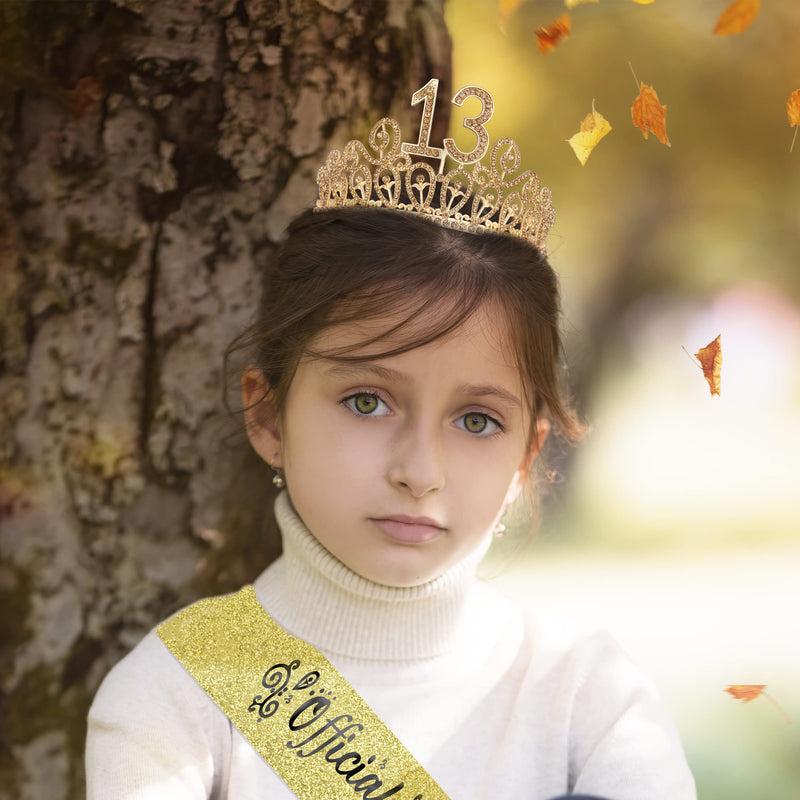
(495, 704)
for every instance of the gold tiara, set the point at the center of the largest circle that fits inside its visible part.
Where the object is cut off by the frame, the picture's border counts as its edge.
(500, 202)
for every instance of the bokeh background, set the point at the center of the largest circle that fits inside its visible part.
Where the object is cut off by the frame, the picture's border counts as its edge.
(676, 523)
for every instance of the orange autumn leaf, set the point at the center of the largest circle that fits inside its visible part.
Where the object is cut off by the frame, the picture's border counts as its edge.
(593, 128)
(750, 691)
(710, 358)
(737, 17)
(649, 115)
(793, 111)
(793, 108)
(746, 692)
(548, 36)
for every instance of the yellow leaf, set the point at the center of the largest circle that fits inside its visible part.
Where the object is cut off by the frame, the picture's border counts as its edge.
(643, 2)
(572, 3)
(593, 128)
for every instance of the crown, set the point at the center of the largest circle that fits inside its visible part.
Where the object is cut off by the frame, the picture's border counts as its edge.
(500, 202)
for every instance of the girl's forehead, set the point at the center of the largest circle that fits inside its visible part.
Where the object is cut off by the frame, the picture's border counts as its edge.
(486, 327)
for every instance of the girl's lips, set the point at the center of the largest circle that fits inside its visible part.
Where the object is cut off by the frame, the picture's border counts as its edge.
(408, 532)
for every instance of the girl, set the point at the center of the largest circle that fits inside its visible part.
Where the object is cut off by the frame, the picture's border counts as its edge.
(402, 380)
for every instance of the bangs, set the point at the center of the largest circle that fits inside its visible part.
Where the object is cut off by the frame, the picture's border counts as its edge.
(416, 316)
(424, 280)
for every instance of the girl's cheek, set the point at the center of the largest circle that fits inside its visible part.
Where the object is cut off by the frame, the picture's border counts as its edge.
(366, 438)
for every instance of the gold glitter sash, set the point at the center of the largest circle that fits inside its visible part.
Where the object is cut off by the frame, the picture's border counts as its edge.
(292, 704)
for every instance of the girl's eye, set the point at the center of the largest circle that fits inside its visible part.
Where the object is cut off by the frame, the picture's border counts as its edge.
(366, 404)
(480, 424)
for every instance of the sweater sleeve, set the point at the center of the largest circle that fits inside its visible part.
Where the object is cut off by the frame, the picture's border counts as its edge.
(625, 745)
(153, 732)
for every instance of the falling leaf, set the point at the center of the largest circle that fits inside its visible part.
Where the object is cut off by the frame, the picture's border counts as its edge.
(710, 358)
(548, 36)
(745, 692)
(793, 107)
(643, 2)
(750, 691)
(507, 8)
(649, 115)
(793, 110)
(593, 128)
(737, 17)
(573, 3)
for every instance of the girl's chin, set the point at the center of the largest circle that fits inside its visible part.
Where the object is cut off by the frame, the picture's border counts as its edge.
(403, 568)
(402, 573)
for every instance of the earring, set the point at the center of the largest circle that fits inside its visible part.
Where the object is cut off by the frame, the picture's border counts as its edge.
(499, 530)
(277, 479)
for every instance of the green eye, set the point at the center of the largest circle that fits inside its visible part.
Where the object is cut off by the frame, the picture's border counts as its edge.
(476, 423)
(366, 403)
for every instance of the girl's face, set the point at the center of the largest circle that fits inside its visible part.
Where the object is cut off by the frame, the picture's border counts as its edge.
(401, 466)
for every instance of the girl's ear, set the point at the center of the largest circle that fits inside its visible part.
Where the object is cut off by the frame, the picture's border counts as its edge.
(524, 468)
(261, 417)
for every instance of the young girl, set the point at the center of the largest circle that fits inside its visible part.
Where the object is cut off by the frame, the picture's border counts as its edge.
(403, 379)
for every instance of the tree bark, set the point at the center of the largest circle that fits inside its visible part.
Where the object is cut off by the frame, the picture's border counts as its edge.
(151, 153)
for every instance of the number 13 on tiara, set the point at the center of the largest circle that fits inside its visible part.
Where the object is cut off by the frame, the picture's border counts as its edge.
(427, 95)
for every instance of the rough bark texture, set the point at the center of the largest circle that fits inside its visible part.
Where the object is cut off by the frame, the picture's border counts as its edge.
(150, 156)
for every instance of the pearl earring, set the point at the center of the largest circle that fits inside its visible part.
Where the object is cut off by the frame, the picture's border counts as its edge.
(499, 530)
(277, 479)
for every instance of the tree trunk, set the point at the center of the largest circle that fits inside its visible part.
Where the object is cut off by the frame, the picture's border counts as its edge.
(151, 153)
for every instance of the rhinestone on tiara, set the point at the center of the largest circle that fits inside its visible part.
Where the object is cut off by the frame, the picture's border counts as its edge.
(501, 202)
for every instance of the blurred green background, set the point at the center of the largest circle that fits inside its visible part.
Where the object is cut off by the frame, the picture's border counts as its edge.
(677, 523)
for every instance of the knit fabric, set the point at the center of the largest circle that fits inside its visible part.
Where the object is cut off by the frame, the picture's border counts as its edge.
(494, 703)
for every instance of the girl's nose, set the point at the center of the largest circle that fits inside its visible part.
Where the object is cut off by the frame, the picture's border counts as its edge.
(416, 462)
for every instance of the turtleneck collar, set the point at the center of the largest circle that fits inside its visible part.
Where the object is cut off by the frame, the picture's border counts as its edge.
(316, 597)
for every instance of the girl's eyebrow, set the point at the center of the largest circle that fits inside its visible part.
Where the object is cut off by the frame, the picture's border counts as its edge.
(355, 370)
(490, 391)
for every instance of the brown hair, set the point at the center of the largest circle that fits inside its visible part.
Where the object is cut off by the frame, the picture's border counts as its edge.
(352, 264)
